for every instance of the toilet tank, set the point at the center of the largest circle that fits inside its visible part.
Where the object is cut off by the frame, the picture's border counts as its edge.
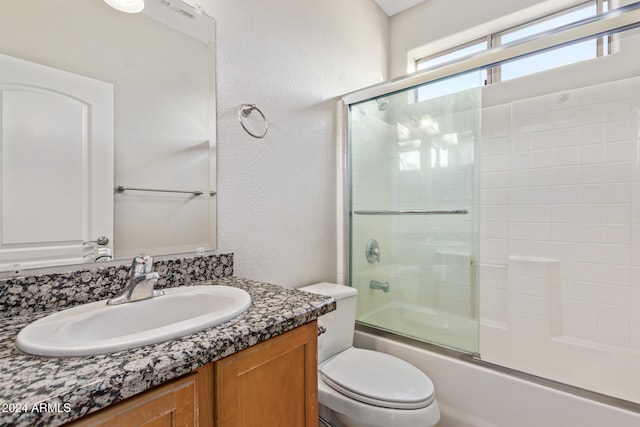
(339, 323)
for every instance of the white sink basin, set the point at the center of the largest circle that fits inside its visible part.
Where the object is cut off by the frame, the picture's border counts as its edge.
(97, 328)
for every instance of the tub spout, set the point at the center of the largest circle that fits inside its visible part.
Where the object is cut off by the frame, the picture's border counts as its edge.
(374, 284)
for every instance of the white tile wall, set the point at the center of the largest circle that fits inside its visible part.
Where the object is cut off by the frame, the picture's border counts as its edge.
(564, 186)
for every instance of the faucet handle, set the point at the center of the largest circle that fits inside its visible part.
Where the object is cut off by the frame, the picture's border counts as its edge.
(372, 251)
(141, 265)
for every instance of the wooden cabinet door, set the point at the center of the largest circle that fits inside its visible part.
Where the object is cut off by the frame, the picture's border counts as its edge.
(274, 383)
(184, 402)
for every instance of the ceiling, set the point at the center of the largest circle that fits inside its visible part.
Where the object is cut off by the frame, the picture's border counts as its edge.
(391, 7)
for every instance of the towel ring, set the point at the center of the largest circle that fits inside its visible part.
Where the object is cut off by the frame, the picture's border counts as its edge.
(244, 111)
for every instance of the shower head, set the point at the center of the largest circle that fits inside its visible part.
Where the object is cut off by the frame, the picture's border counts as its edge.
(383, 103)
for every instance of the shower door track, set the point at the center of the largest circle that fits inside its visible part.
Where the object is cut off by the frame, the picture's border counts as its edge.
(414, 212)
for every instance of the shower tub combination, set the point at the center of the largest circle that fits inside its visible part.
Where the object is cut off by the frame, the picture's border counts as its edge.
(492, 231)
(399, 315)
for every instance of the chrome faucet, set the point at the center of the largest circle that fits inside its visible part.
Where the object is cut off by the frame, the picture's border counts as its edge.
(374, 284)
(141, 282)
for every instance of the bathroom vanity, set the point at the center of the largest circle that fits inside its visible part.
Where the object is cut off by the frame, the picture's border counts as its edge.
(275, 380)
(256, 367)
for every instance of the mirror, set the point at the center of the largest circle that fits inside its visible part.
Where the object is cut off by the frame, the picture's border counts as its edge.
(161, 66)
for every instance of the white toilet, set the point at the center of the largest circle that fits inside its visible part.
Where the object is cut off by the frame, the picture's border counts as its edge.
(364, 388)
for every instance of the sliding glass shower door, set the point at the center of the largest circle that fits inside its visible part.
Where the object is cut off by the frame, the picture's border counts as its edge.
(412, 254)
(555, 234)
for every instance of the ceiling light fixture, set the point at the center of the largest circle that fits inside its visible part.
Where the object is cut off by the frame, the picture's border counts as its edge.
(128, 6)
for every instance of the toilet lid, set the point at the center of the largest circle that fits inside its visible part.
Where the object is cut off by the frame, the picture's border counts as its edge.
(378, 379)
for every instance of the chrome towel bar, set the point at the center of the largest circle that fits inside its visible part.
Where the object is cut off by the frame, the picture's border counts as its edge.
(122, 189)
(414, 212)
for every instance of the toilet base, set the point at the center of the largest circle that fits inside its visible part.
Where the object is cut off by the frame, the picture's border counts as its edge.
(329, 417)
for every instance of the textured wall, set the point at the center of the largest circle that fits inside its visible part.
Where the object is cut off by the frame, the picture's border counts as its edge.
(276, 196)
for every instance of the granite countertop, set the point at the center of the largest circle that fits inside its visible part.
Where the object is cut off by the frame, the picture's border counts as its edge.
(40, 391)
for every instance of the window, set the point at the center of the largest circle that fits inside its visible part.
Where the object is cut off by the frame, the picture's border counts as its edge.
(558, 57)
(457, 83)
(452, 54)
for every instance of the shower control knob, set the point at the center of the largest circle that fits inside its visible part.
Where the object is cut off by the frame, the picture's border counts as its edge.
(372, 251)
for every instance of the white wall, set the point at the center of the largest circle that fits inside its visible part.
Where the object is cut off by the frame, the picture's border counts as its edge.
(276, 208)
(276, 196)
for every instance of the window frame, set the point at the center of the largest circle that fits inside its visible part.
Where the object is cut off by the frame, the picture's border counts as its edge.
(493, 40)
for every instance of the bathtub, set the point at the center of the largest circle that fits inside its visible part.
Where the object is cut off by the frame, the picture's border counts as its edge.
(442, 327)
(472, 395)
(581, 363)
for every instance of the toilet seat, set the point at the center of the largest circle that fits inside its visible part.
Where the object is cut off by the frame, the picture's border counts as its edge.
(378, 379)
